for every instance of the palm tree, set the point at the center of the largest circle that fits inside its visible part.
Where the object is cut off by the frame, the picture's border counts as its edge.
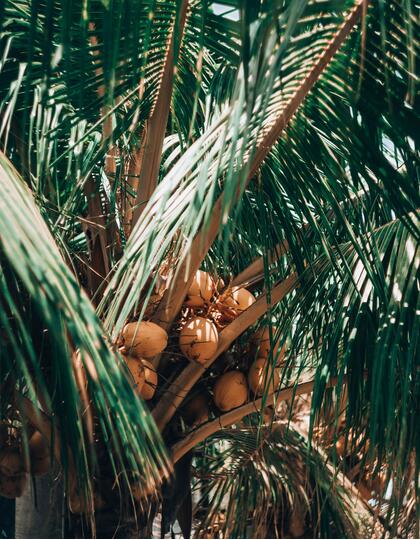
(271, 144)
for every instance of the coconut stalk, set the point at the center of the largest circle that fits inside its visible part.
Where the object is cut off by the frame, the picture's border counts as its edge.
(204, 431)
(95, 225)
(144, 167)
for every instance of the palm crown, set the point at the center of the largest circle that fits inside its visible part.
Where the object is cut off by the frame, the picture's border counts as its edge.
(272, 144)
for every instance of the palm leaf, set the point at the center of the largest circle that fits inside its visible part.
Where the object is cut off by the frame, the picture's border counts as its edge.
(44, 317)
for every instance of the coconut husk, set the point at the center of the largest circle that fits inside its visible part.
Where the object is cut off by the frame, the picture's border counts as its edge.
(261, 340)
(201, 290)
(150, 381)
(198, 339)
(144, 340)
(239, 299)
(196, 411)
(136, 367)
(78, 504)
(262, 376)
(230, 390)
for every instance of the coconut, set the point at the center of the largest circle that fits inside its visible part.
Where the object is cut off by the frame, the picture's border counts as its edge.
(39, 454)
(79, 505)
(340, 445)
(11, 461)
(150, 381)
(13, 486)
(240, 299)
(198, 339)
(261, 338)
(145, 339)
(230, 390)
(201, 290)
(260, 375)
(136, 367)
(196, 411)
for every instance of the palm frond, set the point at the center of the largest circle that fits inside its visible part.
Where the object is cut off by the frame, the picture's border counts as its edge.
(45, 318)
(265, 483)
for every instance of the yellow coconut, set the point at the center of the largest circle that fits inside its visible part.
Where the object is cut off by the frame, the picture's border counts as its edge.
(230, 390)
(201, 289)
(145, 339)
(136, 367)
(11, 461)
(39, 454)
(240, 299)
(12, 487)
(198, 339)
(196, 411)
(260, 375)
(150, 381)
(261, 339)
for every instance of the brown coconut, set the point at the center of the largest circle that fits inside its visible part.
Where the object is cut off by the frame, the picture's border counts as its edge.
(12, 487)
(201, 290)
(198, 339)
(230, 390)
(340, 445)
(261, 339)
(150, 381)
(136, 367)
(145, 339)
(12, 462)
(196, 411)
(240, 299)
(260, 375)
(39, 454)
(78, 504)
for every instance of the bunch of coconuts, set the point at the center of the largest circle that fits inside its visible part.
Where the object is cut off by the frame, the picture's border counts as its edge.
(19, 460)
(208, 307)
(141, 341)
(209, 310)
(231, 389)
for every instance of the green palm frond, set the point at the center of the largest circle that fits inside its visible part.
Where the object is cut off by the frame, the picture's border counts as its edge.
(45, 317)
(265, 483)
(186, 195)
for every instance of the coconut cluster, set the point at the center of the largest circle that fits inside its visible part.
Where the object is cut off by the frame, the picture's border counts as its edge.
(140, 342)
(209, 307)
(18, 461)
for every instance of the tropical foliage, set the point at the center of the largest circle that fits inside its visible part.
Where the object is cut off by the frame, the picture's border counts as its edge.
(272, 144)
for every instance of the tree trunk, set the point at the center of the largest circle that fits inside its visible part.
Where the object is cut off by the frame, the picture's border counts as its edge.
(40, 511)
